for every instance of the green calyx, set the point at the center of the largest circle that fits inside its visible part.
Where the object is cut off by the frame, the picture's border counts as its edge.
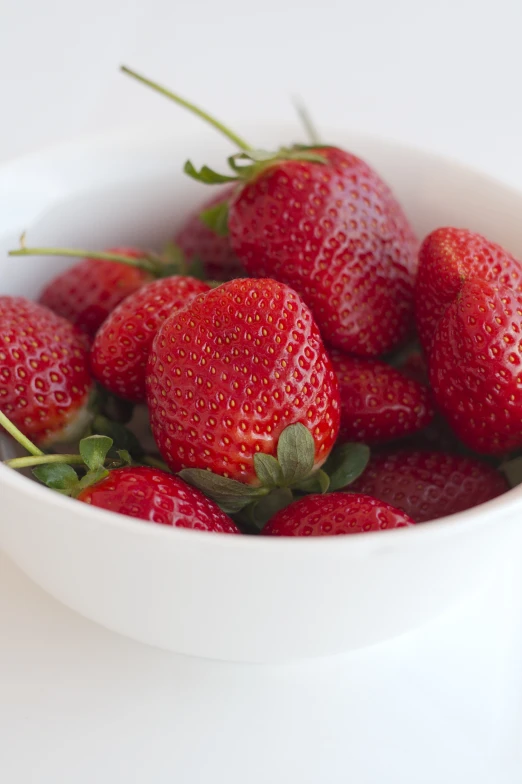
(282, 478)
(248, 164)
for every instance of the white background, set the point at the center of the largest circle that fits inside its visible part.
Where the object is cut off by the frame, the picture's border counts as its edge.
(445, 74)
(80, 704)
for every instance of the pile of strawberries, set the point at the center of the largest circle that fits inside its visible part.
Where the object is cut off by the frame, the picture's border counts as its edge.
(293, 325)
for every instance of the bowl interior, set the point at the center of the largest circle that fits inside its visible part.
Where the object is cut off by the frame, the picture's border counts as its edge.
(129, 189)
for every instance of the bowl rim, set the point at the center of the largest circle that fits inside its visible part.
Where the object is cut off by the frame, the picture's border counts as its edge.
(143, 137)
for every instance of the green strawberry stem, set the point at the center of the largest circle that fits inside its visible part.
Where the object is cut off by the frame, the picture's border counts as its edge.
(147, 262)
(244, 164)
(308, 124)
(19, 437)
(29, 462)
(234, 138)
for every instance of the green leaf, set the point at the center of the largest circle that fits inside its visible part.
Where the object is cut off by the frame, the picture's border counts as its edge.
(302, 154)
(259, 156)
(216, 218)
(91, 478)
(124, 456)
(232, 496)
(242, 164)
(268, 470)
(296, 453)
(57, 476)
(317, 483)
(345, 464)
(206, 175)
(94, 450)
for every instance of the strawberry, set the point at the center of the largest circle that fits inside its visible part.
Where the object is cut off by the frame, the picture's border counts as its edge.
(229, 373)
(331, 515)
(44, 372)
(88, 291)
(121, 347)
(157, 497)
(322, 221)
(428, 485)
(448, 258)
(334, 232)
(137, 491)
(198, 241)
(476, 368)
(378, 403)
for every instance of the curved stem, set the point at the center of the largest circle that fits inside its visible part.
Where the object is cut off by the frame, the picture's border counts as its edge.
(29, 462)
(234, 138)
(306, 119)
(19, 437)
(142, 262)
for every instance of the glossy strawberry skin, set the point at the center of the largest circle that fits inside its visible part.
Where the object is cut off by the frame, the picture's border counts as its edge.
(448, 257)
(44, 371)
(335, 514)
(228, 373)
(88, 291)
(121, 347)
(157, 497)
(378, 403)
(336, 234)
(475, 367)
(198, 241)
(429, 485)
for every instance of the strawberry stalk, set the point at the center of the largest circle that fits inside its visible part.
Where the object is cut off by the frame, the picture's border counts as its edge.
(29, 462)
(245, 164)
(148, 262)
(171, 262)
(219, 126)
(308, 124)
(19, 437)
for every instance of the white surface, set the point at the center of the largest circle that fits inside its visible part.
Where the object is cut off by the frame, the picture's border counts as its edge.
(443, 74)
(233, 598)
(81, 704)
(78, 703)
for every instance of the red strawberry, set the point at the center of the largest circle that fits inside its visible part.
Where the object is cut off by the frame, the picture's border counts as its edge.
(229, 373)
(331, 515)
(476, 367)
(335, 233)
(88, 291)
(322, 221)
(121, 347)
(448, 258)
(198, 241)
(44, 377)
(428, 485)
(147, 493)
(158, 497)
(378, 403)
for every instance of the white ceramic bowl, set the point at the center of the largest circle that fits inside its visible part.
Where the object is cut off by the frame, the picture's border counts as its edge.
(225, 597)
